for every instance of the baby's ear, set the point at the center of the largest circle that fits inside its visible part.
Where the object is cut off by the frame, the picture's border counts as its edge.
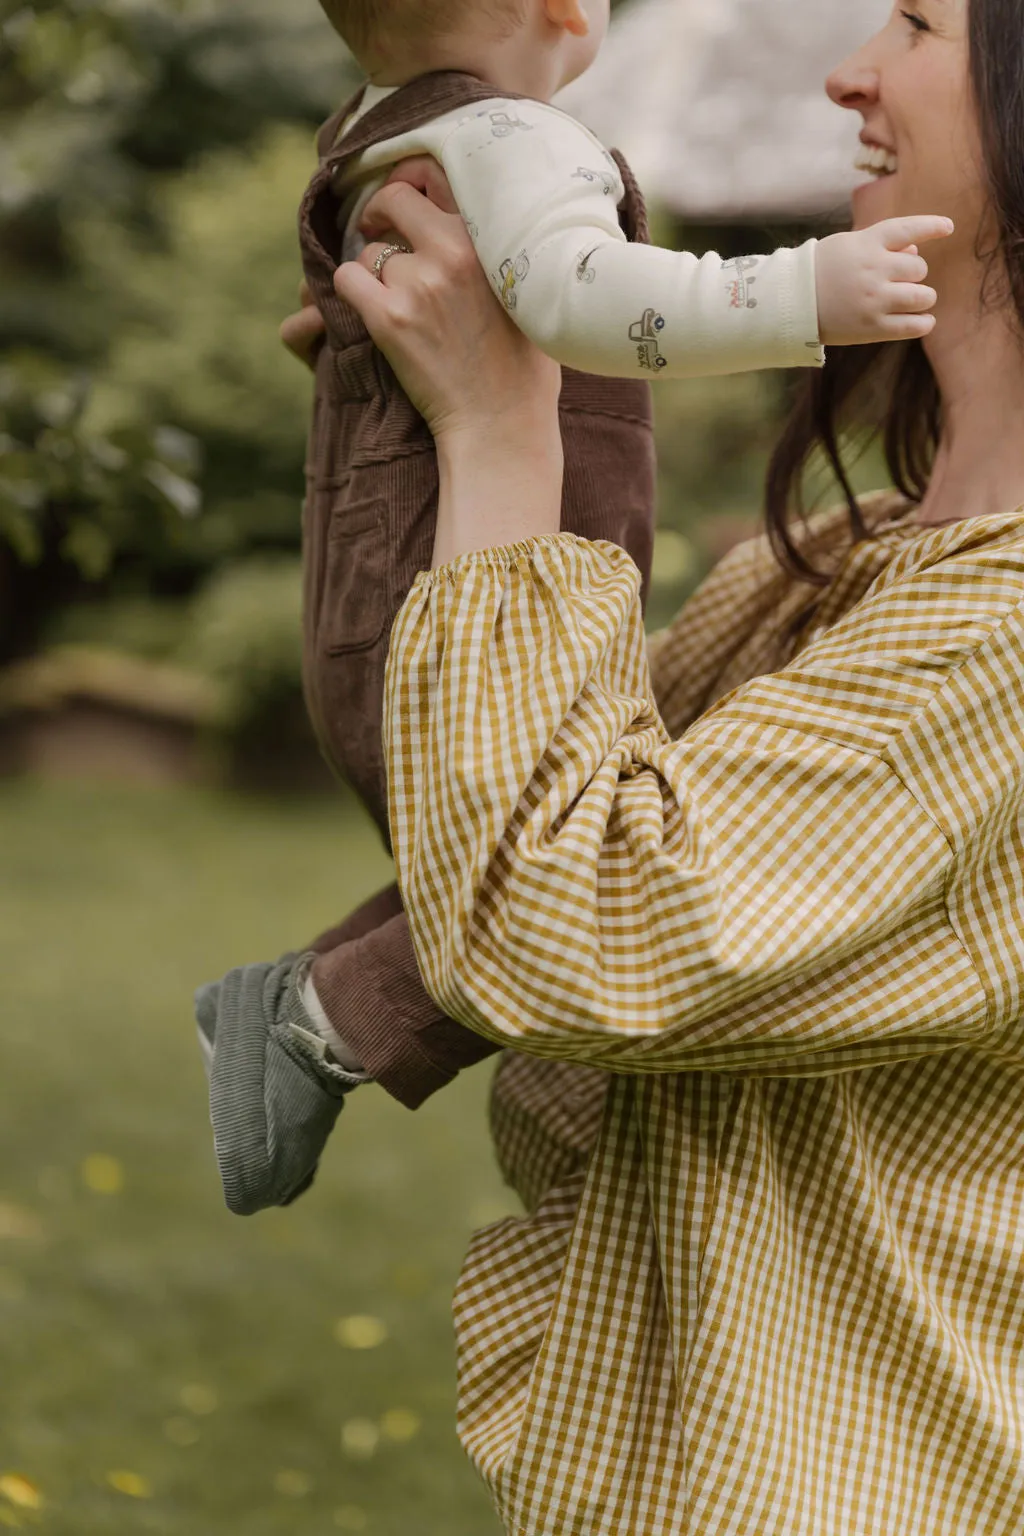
(569, 15)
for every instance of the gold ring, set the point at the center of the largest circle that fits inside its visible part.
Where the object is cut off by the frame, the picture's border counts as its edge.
(401, 249)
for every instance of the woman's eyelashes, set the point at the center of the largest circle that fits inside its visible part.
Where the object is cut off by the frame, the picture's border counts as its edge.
(917, 22)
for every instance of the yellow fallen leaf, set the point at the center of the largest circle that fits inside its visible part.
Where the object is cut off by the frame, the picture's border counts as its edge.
(20, 1491)
(359, 1438)
(198, 1398)
(350, 1518)
(16, 1221)
(360, 1332)
(294, 1485)
(102, 1174)
(131, 1484)
(400, 1424)
(181, 1431)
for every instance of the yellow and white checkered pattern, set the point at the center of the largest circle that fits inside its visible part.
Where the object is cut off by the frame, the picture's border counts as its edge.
(768, 880)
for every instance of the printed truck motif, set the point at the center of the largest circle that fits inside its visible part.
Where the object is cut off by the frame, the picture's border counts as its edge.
(512, 272)
(645, 333)
(739, 289)
(504, 123)
(604, 179)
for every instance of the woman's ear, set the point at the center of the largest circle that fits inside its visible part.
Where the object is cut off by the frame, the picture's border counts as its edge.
(569, 15)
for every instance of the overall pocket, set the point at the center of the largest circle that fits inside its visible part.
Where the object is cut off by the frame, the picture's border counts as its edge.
(354, 604)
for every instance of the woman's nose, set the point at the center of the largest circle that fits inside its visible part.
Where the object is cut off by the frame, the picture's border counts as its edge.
(854, 83)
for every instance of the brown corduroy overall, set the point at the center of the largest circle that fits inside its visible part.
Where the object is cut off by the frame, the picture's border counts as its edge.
(371, 470)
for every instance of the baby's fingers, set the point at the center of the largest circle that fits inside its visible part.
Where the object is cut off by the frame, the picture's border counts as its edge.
(905, 327)
(903, 268)
(897, 234)
(909, 298)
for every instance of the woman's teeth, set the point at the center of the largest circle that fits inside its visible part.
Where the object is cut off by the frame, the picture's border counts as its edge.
(876, 160)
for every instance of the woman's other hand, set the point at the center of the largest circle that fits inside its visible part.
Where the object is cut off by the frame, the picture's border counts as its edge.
(460, 359)
(303, 332)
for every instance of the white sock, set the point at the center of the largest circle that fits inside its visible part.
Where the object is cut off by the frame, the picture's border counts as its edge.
(324, 1028)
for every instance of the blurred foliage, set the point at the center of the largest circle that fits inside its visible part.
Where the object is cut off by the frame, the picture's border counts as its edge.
(198, 315)
(116, 119)
(93, 493)
(245, 634)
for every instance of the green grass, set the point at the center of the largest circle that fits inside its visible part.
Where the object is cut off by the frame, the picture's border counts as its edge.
(113, 1305)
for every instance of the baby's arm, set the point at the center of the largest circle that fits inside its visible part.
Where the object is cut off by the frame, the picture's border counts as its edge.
(540, 196)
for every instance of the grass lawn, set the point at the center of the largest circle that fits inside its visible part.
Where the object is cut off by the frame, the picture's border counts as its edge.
(166, 1367)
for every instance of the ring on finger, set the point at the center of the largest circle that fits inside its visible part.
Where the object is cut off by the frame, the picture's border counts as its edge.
(398, 249)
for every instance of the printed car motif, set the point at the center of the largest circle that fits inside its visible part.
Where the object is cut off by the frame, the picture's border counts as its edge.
(645, 333)
(739, 289)
(604, 179)
(503, 123)
(513, 271)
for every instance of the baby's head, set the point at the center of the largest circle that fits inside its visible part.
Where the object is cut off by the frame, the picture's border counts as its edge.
(545, 43)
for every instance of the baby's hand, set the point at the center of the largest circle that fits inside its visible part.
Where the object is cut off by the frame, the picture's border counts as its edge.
(871, 282)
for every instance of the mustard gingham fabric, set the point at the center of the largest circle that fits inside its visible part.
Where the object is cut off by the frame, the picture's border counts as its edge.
(748, 908)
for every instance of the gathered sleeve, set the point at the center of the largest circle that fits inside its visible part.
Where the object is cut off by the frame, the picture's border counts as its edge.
(762, 896)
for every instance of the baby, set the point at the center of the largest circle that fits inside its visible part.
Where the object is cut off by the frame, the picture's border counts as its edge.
(560, 231)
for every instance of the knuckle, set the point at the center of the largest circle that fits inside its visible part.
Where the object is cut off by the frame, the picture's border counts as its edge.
(464, 257)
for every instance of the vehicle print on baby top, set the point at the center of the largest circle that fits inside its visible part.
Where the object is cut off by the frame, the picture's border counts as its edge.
(604, 179)
(645, 332)
(739, 288)
(505, 123)
(513, 271)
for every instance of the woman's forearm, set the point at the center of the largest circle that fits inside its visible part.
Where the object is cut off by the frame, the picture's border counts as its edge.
(500, 482)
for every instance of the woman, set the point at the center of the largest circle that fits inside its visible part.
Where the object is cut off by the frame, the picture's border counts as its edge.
(767, 881)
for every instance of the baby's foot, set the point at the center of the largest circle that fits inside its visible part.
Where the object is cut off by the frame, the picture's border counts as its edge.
(274, 1091)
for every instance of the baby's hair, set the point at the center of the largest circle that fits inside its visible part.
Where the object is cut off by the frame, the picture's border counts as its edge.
(371, 24)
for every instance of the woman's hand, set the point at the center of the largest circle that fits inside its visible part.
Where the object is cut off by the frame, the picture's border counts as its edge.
(489, 396)
(303, 333)
(460, 359)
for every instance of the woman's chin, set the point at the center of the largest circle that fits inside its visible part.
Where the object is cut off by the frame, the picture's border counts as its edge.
(874, 200)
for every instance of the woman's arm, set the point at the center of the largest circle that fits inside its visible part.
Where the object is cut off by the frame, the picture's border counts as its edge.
(764, 895)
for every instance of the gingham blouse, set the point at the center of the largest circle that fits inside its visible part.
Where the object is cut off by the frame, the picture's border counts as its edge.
(754, 930)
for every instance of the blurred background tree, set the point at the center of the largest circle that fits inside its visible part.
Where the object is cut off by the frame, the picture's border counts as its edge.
(151, 156)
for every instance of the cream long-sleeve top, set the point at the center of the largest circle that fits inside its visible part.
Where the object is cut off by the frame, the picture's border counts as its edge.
(539, 194)
(749, 911)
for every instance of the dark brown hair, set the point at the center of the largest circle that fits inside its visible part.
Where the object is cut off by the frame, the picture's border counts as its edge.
(889, 390)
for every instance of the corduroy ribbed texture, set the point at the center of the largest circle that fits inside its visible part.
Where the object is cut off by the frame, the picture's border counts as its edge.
(371, 503)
